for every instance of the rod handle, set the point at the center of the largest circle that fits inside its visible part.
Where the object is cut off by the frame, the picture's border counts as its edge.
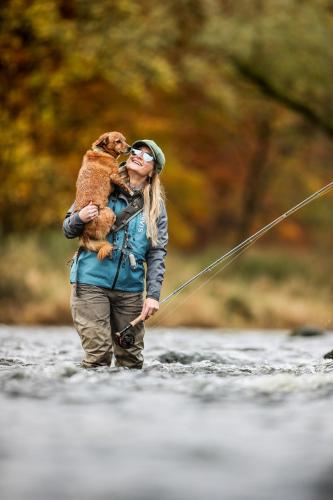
(130, 325)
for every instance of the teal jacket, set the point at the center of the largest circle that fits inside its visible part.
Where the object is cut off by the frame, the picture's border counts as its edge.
(122, 271)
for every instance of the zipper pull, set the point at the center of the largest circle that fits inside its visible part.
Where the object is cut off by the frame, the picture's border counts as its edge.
(132, 261)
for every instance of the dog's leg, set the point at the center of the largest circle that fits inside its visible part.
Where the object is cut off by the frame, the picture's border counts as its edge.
(95, 232)
(116, 179)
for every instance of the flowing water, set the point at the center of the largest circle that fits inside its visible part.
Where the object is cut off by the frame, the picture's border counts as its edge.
(216, 415)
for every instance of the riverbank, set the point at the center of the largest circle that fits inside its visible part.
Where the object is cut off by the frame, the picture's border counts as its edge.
(264, 288)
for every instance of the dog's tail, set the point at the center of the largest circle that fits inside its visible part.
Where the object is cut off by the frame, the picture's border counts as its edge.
(102, 247)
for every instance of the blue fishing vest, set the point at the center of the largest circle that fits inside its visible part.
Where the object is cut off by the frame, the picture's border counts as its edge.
(117, 272)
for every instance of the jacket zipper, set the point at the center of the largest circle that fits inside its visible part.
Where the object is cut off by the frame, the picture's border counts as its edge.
(125, 241)
(118, 269)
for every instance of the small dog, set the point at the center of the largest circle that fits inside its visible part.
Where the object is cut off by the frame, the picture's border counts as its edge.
(97, 175)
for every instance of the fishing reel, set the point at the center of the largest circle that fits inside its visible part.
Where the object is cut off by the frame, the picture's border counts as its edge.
(126, 339)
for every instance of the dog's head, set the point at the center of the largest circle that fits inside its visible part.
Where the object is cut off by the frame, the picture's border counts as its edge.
(113, 143)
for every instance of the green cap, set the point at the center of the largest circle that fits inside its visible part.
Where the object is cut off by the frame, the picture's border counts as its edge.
(155, 149)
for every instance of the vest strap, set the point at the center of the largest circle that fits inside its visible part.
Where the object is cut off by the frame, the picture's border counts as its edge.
(125, 216)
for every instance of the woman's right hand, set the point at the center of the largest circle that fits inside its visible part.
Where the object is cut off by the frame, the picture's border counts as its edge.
(89, 212)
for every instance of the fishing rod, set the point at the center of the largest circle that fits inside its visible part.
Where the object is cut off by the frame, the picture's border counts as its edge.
(127, 339)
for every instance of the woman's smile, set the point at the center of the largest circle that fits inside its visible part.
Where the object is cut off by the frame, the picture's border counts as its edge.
(136, 159)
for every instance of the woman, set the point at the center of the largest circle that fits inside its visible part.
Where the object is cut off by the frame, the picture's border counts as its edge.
(107, 295)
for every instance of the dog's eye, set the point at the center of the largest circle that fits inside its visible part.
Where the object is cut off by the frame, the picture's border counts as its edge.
(118, 141)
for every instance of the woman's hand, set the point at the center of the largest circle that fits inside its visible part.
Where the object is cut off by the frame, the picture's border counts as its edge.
(150, 307)
(88, 213)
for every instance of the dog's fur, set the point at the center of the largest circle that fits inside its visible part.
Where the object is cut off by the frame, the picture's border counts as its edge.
(98, 173)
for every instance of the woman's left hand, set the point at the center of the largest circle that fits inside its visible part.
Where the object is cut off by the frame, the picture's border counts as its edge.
(150, 307)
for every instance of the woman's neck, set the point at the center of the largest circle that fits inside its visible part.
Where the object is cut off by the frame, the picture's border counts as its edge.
(136, 183)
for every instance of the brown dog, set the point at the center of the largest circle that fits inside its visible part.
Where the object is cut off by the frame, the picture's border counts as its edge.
(97, 175)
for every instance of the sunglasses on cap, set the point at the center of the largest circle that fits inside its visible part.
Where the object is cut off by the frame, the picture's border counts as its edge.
(143, 154)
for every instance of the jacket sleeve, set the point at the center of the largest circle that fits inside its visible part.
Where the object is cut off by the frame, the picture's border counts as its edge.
(72, 225)
(155, 258)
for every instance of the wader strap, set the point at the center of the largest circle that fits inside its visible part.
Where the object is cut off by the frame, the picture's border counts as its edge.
(126, 215)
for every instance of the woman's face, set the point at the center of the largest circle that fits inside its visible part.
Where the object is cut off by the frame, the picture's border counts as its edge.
(138, 165)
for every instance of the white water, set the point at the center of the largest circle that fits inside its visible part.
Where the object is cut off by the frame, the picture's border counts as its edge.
(216, 415)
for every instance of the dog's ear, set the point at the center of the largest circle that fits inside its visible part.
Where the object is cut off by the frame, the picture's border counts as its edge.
(103, 142)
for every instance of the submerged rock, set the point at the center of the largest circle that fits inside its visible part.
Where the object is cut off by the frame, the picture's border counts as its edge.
(187, 359)
(177, 357)
(328, 355)
(306, 331)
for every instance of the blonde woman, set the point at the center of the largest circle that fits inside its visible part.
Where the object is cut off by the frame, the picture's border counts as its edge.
(107, 295)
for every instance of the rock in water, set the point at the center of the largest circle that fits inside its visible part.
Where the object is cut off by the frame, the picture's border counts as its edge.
(328, 355)
(306, 331)
(188, 358)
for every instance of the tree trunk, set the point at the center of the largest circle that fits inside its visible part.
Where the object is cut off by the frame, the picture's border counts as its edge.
(256, 179)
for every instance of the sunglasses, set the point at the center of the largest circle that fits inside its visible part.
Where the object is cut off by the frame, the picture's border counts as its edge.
(143, 154)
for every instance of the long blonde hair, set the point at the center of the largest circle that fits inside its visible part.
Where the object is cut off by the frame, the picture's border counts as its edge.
(154, 197)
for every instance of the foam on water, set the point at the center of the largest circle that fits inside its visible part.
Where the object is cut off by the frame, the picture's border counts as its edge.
(238, 415)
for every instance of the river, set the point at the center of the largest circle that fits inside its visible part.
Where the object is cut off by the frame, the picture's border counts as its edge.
(239, 415)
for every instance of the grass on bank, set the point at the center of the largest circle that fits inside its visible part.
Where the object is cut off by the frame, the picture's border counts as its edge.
(264, 288)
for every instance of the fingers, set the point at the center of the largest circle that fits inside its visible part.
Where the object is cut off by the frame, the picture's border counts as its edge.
(144, 312)
(89, 212)
(92, 211)
(150, 307)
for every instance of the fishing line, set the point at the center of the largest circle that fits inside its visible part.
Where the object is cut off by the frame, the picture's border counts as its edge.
(166, 314)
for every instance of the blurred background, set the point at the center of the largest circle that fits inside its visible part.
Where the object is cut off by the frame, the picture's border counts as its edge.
(240, 98)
